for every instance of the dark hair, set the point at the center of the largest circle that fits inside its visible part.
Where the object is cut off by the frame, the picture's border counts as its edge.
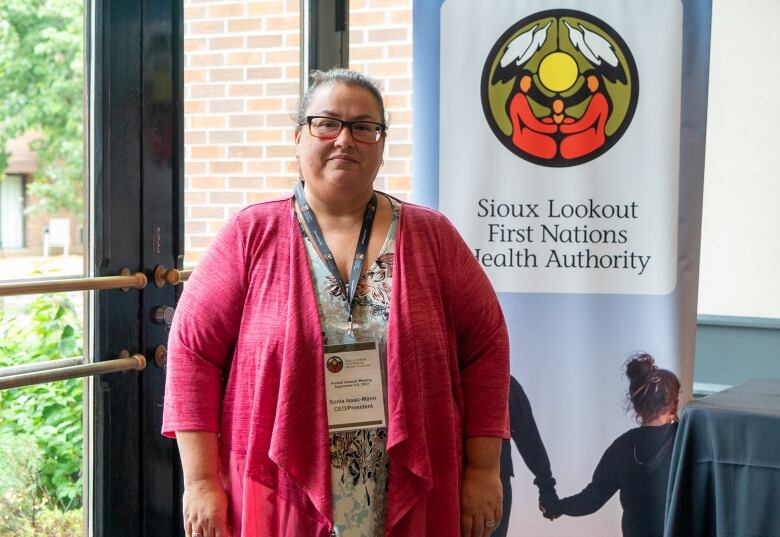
(651, 390)
(318, 79)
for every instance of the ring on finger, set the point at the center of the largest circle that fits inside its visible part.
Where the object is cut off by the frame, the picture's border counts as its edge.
(490, 524)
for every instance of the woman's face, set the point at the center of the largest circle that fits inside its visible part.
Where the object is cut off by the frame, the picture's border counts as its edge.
(340, 165)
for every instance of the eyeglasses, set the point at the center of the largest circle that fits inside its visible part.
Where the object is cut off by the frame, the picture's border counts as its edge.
(329, 128)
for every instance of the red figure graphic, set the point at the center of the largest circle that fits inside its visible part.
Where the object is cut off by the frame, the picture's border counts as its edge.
(587, 133)
(528, 133)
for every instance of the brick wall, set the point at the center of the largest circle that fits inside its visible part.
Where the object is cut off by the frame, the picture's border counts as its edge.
(241, 88)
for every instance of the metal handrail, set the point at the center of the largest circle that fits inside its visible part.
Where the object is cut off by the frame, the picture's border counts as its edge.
(29, 287)
(123, 363)
(170, 276)
(39, 366)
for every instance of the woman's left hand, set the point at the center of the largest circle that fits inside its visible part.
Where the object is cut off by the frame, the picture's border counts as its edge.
(481, 503)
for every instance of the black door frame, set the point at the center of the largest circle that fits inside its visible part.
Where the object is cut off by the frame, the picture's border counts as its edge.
(138, 165)
(138, 169)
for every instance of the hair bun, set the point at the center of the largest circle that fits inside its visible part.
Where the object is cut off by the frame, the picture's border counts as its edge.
(640, 366)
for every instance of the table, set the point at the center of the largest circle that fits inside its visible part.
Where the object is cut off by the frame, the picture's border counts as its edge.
(725, 471)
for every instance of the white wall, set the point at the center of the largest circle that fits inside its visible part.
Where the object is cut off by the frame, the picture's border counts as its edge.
(740, 256)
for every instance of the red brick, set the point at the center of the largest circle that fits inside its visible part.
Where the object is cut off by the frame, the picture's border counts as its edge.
(292, 167)
(263, 166)
(282, 23)
(263, 136)
(194, 12)
(205, 60)
(193, 198)
(388, 34)
(245, 152)
(245, 183)
(244, 58)
(207, 212)
(366, 53)
(401, 117)
(357, 37)
(207, 183)
(191, 258)
(243, 121)
(226, 106)
(396, 102)
(264, 8)
(283, 56)
(207, 152)
(220, 43)
(245, 90)
(394, 167)
(401, 17)
(207, 122)
(263, 73)
(194, 168)
(264, 41)
(207, 27)
(400, 51)
(282, 88)
(214, 226)
(389, 3)
(260, 105)
(199, 241)
(292, 6)
(194, 137)
(195, 75)
(400, 85)
(281, 183)
(280, 120)
(226, 10)
(245, 25)
(292, 40)
(235, 74)
(366, 18)
(226, 137)
(196, 227)
(259, 197)
(292, 72)
(400, 150)
(398, 133)
(225, 166)
(194, 45)
(384, 69)
(280, 151)
(225, 198)
(207, 90)
(400, 183)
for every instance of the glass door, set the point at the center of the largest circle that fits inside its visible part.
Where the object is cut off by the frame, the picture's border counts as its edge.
(43, 223)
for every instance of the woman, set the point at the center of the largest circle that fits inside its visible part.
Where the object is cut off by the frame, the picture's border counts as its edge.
(637, 463)
(284, 302)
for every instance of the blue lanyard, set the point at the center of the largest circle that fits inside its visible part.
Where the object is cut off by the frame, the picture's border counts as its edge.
(348, 291)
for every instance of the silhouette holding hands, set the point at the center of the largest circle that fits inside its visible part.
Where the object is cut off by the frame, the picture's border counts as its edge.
(637, 462)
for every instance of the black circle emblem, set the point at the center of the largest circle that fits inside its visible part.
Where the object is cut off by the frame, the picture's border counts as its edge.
(559, 88)
(334, 364)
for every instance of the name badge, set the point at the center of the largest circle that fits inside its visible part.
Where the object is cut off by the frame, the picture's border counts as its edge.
(353, 387)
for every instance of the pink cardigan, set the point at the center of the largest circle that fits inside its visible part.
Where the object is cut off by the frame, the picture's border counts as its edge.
(244, 361)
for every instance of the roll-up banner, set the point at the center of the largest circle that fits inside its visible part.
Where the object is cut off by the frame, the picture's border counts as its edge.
(566, 143)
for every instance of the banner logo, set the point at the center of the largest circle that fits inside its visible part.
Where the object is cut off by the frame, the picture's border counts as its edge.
(559, 88)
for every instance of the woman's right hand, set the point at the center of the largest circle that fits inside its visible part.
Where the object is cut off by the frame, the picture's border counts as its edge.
(205, 504)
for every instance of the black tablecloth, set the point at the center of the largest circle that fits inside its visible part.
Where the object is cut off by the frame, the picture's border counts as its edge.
(725, 471)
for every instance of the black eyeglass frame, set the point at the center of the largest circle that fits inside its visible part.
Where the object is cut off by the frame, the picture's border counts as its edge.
(348, 124)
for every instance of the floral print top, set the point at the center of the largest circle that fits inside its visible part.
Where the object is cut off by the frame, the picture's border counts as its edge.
(359, 461)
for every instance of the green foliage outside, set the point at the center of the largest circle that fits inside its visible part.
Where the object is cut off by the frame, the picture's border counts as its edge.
(41, 83)
(41, 426)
